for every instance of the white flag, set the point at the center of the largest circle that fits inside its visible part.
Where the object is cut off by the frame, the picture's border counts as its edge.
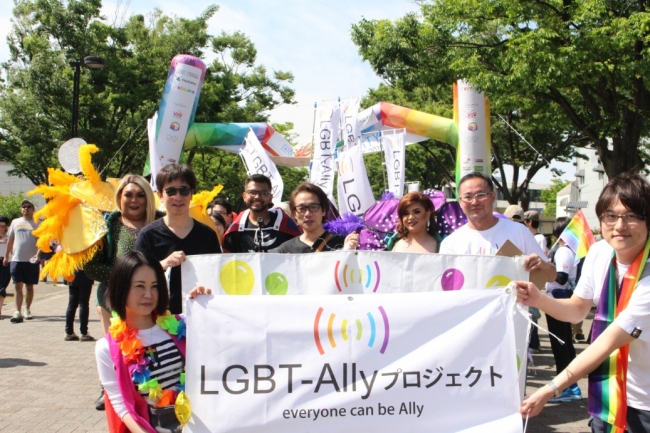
(395, 156)
(350, 117)
(154, 158)
(354, 192)
(322, 168)
(259, 162)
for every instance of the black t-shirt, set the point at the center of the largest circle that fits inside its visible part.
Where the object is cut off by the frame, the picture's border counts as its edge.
(244, 241)
(158, 240)
(296, 246)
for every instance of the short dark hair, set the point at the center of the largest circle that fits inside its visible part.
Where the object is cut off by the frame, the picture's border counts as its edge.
(222, 202)
(4, 219)
(258, 178)
(559, 225)
(313, 189)
(119, 281)
(632, 190)
(172, 172)
(408, 200)
(534, 224)
(477, 175)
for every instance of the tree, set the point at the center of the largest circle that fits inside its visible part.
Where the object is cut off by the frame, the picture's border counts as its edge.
(586, 58)
(35, 100)
(549, 196)
(404, 53)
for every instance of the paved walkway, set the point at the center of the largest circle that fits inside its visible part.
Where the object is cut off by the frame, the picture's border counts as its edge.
(50, 385)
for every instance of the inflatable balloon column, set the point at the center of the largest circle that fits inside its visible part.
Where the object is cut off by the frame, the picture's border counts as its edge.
(177, 109)
(472, 117)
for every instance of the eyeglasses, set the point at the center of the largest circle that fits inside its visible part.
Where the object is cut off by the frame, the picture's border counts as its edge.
(479, 197)
(183, 190)
(28, 207)
(255, 193)
(301, 209)
(610, 219)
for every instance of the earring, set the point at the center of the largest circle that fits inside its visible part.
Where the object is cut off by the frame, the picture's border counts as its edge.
(428, 224)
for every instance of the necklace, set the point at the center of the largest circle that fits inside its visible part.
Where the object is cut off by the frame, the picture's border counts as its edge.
(138, 359)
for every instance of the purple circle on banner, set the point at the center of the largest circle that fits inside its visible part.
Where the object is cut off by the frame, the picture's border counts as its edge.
(452, 279)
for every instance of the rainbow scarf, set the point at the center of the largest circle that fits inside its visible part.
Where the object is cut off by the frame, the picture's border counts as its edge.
(578, 235)
(607, 383)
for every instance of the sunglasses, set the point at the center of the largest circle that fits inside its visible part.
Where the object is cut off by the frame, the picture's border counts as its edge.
(183, 190)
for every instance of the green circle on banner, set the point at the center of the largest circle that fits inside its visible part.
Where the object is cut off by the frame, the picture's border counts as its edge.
(276, 284)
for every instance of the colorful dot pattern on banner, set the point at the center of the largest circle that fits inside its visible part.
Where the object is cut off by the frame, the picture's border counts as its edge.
(452, 279)
(237, 278)
(276, 284)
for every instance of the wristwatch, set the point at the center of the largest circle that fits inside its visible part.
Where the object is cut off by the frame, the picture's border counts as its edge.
(555, 389)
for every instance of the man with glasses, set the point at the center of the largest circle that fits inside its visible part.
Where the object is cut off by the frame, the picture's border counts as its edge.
(177, 234)
(22, 252)
(258, 228)
(484, 233)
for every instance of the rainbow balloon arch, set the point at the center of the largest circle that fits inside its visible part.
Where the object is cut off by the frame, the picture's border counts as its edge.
(175, 129)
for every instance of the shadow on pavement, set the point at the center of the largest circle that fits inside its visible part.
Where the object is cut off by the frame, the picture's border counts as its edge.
(20, 362)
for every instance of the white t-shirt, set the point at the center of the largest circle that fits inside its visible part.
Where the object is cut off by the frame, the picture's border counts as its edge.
(24, 242)
(564, 262)
(541, 241)
(635, 316)
(168, 365)
(487, 242)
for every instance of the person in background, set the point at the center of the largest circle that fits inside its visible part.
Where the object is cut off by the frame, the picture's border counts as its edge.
(219, 223)
(309, 206)
(515, 213)
(5, 275)
(22, 249)
(223, 207)
(531, 220)
(245, 234)
(562, 288)
(416, 224)
(615, 278)
(79, 291)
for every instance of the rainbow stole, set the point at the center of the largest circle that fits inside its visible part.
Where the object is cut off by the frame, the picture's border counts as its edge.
(607, 383)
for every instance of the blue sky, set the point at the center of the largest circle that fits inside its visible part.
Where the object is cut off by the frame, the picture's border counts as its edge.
(309, 38)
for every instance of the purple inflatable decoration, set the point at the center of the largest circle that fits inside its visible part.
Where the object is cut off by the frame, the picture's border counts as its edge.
(450, 217)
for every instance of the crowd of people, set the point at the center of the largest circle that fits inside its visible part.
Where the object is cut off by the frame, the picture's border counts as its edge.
(139, 292)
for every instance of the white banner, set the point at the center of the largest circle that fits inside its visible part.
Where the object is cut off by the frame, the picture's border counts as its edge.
(350, 117)
(395, 156)
(354, 191)
(258, 161)
(440, 362)
(322, 168)
(154, 166)
(359, 272)
(473, 131)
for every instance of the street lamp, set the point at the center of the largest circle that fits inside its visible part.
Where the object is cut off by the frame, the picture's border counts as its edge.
(89, 62)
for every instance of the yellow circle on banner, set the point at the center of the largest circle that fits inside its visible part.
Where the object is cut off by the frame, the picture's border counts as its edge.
(182, 408)
(236, 278)
(276, 284)
(498, 281)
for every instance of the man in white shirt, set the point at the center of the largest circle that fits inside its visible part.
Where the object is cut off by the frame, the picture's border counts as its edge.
(484, 233)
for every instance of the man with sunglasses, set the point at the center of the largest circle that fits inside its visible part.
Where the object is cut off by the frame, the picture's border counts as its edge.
(177, 234)
(22, 249)
(484, 233)
(258, 228)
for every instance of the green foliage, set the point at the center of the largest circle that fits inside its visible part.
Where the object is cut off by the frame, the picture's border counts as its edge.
(115, 102)
(575, 68)
(549, 196)
(10, 205)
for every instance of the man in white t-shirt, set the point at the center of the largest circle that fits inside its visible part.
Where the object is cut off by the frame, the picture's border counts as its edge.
(531, 220)
(24, 268)
(484, 233)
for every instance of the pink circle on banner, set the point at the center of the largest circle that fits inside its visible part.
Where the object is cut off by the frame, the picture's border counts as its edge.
(452, 279)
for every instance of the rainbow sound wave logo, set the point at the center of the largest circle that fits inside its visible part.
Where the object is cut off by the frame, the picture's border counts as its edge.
(348, 275)
(345, 166)
(342, 328)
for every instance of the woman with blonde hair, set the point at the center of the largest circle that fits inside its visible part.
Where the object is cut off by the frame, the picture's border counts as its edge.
(136, 208)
